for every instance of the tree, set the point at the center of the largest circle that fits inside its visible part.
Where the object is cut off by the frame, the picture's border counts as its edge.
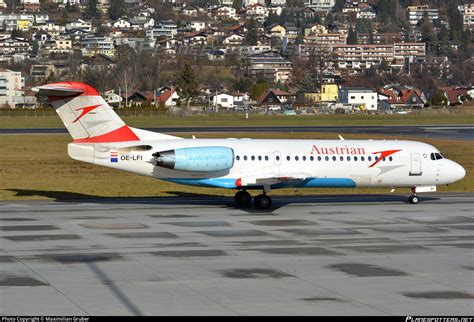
(116, 9)
(426, 28)
(92, 8)
(251, 39)
(351, 37)
(237, 4)
(187, 84)
(339, 5)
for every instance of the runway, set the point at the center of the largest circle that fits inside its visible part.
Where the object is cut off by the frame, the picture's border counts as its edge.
(448, 132)
(318, 255)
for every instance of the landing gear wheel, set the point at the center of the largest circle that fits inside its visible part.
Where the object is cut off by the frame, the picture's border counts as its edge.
(413, 199)
(243, 198)
(262, 202)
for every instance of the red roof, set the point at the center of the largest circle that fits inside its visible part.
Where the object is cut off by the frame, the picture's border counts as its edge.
(164, 96)
(454, 94)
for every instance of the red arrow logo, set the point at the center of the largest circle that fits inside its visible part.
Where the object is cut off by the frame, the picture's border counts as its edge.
(85, 110)
(383, 154)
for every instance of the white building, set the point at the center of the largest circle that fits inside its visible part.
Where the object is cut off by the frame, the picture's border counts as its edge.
(416, 13)
(247, 3)
(365, 98)
(163, 29)
(11, 89)
(320, 5)
(223, 100)
(195, 25)
(102, 45)
(467, 12)
(79, 24)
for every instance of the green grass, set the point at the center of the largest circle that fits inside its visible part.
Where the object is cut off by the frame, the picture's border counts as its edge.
(38, 167)
(145, 118)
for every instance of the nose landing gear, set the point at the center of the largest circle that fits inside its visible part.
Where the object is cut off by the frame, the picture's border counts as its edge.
(413, 198)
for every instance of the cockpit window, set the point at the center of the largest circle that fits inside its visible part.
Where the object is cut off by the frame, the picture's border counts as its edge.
(436, 156)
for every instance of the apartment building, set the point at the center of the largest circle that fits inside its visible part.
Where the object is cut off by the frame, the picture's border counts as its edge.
(416, 13)
(97, 45)
(269, 64)
(467, 12)
(320, 5)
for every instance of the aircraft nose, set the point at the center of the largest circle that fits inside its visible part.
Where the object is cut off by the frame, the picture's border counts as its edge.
(460, 172)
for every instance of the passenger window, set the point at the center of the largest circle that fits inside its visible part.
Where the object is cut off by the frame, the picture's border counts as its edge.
(253, 158)
(245, 157)
(266, 158)
(237, 158)
(296, 158)
(311, 158)
(334, 158)
(277, 158)
(319, 158)
(348, 158)
(390, 158)
(341, 158)
(355, 159)
(362, 158)
(288, 158)
(259, 158)
(369, 158)
(327, 158)
(304, 158)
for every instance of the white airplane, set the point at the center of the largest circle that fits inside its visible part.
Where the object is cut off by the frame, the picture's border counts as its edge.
(101, 137)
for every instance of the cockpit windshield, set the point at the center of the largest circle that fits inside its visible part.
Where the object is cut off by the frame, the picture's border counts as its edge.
(436, 156)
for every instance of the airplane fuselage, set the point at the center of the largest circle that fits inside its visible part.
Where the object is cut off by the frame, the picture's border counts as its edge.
(308, 163)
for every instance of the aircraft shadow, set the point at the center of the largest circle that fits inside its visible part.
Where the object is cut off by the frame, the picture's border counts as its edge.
(189, 198)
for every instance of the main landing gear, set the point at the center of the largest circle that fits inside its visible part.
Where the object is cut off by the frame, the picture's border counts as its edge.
(243, 199)
(413, 198)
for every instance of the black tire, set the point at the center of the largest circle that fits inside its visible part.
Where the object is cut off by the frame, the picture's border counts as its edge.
(262, 202)
(243, 198)
(413, 200)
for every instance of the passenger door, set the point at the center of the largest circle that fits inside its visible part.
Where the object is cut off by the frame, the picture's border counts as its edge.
(415, 169)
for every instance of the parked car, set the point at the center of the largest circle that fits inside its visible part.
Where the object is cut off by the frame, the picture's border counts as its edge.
(289, 112)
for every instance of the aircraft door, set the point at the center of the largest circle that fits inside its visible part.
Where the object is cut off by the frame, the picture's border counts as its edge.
(415, 169)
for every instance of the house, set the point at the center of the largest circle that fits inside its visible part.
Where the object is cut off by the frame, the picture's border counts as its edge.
(401, 97)
(329, 93)
(233, 40)
(277, 31)
(223, 100)
(167, 28)
(190, 10)
(275, 97)
(455, 96)
(197, 38)
(99, 62)
(364, 98)
(223, 12)
(167, 97)
(215, 54)
(315, 29)
(195, 25)
(11, 89)
(80, 24)
(122, 24)
(269, 64)
(320, 5)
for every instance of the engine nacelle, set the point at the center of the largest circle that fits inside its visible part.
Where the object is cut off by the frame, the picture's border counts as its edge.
(200, 159)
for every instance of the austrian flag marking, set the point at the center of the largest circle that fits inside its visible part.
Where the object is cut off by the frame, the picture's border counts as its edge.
(114, 156)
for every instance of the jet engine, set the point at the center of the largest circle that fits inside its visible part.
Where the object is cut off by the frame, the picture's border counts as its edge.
(199, 159)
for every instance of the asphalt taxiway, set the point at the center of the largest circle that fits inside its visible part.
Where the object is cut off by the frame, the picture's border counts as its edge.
(319, 255)
(446, 132)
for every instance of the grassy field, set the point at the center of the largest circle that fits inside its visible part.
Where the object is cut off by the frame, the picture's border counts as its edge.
(38, 167)
(146, 119)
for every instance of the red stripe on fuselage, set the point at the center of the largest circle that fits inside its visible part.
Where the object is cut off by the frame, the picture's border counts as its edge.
(121, 134)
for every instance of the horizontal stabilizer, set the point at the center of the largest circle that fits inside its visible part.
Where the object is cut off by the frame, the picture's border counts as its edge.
(57, 90)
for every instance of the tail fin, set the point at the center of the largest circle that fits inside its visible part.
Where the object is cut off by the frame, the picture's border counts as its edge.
(88, 117)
